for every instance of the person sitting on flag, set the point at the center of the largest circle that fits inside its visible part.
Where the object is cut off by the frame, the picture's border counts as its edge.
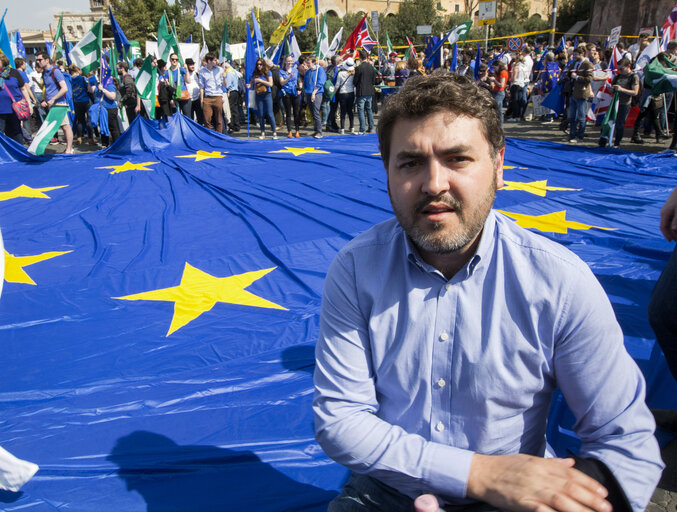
(55, 94)
(445, 331)
(12, 88)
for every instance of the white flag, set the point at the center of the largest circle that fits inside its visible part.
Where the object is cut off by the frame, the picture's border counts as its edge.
(649, 53)
(335, 43)
(203, 13)
(204, 51)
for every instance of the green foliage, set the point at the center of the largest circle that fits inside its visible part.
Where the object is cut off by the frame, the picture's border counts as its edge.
(517, 9)
(572, 11)
(139, 18)
(411, 14)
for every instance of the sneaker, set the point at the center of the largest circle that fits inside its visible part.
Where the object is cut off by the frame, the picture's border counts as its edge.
(274, 136)
(352, 130)
(317, 135)
(573, 141)
(511, 120)
(636, 139)
(359, 133)
(262, 136)
(343, 132)
(549, 121)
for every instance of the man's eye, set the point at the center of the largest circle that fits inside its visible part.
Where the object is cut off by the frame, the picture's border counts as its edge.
(409, 164)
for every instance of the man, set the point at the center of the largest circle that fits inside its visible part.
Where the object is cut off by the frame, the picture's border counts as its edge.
(55, 93)
(211, 93)
(388, 70)
(626, 84)
(313, 87)
(128, 96)
(634, 49)
(194, 91)
(445, 331)
(581, 77)
(232, 85)
(365, 79)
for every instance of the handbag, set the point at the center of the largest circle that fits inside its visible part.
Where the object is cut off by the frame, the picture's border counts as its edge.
(260, 88)
(21, 107)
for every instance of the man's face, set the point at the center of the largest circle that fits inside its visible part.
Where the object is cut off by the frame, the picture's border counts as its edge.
(442, 180)
(211, 63)
(191, 68)
(41, 62)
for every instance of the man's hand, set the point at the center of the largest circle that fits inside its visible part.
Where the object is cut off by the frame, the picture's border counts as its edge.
(426, 503)
(669, 217)
(526, 483)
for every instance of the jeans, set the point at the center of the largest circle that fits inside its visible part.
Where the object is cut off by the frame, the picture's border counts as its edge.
(184, 106)
(517, 94)
(315, 107)
(326, 107)
(525, 93)
(364, 103)
(264, 104)
(619, 127)
(662, 308)
(578, 110)
(499, 96)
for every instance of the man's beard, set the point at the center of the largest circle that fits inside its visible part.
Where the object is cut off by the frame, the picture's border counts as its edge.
(434, 239)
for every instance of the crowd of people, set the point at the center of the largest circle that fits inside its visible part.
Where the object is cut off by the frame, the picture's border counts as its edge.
(318, 96)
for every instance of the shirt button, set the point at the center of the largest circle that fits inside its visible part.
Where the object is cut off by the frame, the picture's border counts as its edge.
(444, 336)
(439, 427)
(441, 383)
(447, 286)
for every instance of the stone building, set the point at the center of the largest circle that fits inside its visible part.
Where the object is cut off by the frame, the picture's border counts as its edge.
(632, 15)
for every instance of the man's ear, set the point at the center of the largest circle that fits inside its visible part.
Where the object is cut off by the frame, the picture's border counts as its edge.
(499, 168)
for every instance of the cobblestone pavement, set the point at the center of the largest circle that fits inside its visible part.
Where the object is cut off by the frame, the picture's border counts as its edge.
(665, 496)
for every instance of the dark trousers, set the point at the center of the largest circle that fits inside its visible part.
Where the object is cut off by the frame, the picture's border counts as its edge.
(333, 108)
(81, 121)
(291, 104)
(11, 126)
(619, 127)
(234, 103)
(113, 127)
(196, 111)
(130, 110)
(347, 102)
(315, 107)
(184, 106)
(662, 309)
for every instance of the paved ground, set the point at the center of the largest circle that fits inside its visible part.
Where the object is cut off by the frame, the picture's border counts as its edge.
(665, 497)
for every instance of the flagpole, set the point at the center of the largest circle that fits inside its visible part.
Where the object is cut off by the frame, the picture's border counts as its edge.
(665, 112)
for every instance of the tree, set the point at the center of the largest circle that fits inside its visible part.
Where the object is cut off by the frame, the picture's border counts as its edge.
(572, 11)
(139, 18)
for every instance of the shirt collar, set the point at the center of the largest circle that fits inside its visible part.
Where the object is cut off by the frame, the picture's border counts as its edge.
(484, 249)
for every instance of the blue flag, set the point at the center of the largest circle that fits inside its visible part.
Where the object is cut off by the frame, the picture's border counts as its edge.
(433, 47)
(5, 45)
(478, 62)
(189, 39)
(121, 42)
(49, 45)
(249, 59)
(66, 48)
(161, 306)
(20, 48)
(555, 99)
(259, 47)
(454, 59)
(494, 59)
(562, 44)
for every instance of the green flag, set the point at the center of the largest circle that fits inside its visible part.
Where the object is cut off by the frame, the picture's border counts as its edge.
(166, 41)
(48, 128)
(459, 33)
(660, 78)
(114, 59)
(146, 83)
(58, 38)
(609, 122)
(87, 53)
(389, 44)
(322, 47)
(224, 51)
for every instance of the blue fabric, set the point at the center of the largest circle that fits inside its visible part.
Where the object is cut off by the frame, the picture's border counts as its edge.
(409, 362)
(121, 42)
(217, 415)
(173, 77)
(79, 85)
(290, 86)
(314, 79)
(11, 84)
(52, 84)
(107, 102)
(555, 99)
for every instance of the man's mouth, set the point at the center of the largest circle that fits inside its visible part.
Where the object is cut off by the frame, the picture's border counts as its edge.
(436, 210)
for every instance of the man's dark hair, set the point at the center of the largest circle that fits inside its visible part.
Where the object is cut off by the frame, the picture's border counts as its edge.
(363, 54)
(138, 62)
(161, 64)
(189, 62)
(210, 56)
(19, 62)
(423, 95)
(44, 55)
(672, 45)
(625, 62)
(123, 65)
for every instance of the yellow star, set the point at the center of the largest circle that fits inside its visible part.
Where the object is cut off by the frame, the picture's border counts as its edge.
(129, 166)
(550, 222)
(14, 272)
(298, 151)
(26, 191)
(538, 188)
(513, 167)
(204, 155)
(199, 292)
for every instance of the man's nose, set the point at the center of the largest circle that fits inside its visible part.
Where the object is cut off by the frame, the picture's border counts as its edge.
(435, 178)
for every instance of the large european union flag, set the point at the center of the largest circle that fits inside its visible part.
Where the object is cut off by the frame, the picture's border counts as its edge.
(161, 304)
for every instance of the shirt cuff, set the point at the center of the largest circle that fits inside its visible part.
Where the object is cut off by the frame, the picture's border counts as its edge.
(447, 469)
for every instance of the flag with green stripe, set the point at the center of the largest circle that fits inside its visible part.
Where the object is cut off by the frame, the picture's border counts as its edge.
(146, 84)
(87, 53)
(224, 51)
(166, 40)
(322, 47)
(389, 44)
(609, 122)
(48, 128)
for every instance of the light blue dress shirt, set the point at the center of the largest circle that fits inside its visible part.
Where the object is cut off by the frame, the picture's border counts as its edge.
(415, 373)
(211, 81)
(232, 81)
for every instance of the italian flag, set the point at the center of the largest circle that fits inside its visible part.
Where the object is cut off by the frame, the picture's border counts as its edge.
(609, 122)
